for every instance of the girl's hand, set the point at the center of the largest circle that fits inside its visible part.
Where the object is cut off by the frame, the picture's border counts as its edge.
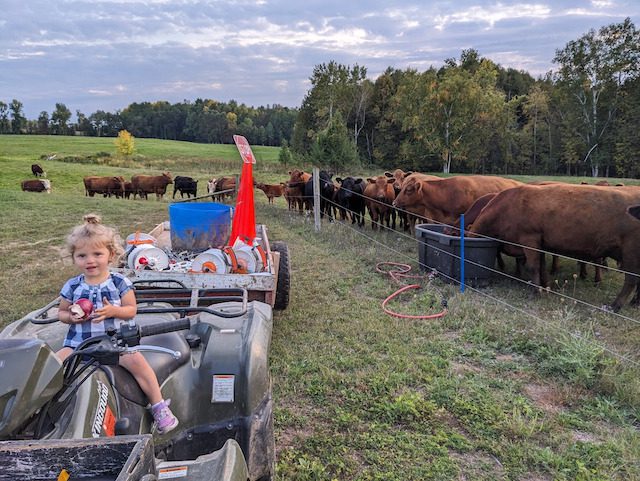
(107, 310)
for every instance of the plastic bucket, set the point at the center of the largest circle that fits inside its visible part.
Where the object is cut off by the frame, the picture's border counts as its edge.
(199, 226)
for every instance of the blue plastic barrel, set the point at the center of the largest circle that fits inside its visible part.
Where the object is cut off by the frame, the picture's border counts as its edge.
(199, 226)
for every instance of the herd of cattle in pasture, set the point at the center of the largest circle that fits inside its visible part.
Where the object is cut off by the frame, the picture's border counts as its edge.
(139, 186)
(587, 222)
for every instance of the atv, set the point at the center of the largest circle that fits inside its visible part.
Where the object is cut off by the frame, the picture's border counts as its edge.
(209, 348)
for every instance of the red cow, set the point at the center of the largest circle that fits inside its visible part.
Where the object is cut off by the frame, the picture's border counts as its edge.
(295, 187)
(151, 184)
(104, 185)
(445, 199)
(379, 196)
(271, 190)
(222, 187)
(39, 185)
(586, 222)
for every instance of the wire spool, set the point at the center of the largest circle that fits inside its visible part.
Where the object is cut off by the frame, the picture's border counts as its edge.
(137, 239)
(250, 259)
(146, 256)
(213, 261)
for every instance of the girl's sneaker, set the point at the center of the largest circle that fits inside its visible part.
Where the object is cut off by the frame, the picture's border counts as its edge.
(164, 418)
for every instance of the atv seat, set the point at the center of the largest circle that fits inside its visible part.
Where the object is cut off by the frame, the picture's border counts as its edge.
(162, 364)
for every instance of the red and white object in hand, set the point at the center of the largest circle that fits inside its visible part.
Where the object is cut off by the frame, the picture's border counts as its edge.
(83, 308)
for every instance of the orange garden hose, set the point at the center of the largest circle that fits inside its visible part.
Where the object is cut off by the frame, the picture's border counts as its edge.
(400, 271)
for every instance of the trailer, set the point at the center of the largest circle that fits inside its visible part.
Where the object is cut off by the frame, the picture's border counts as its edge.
(270, 285)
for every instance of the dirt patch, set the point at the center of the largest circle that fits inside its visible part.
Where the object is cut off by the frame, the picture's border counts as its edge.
(20, 245)
(477, 465)
(460, 369)
(547, 397)
(505, 358)
(584, 437)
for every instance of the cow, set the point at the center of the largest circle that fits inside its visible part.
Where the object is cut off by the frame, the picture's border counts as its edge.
(38, 171)
(552, 217)
(350, 199)
(327, 194)
(185, 185)
(295, 188)
(445, 199)
(38, 185)
(128, 190)
(104, 185)
(271, 190)
(222, 187)
(379, 196)
(151, 184)
(406, 220)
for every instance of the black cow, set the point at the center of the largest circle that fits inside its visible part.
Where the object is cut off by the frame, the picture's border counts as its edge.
(327, 193)
(185, 185)
(37, 170)
(350, 199)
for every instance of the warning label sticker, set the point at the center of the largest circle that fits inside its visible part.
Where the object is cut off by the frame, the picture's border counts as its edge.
(223, 386)
(173, 472)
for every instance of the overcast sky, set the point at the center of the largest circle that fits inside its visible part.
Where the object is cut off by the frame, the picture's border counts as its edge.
(105, 54)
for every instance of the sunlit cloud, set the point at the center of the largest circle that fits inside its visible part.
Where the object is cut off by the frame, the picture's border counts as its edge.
(492, 15)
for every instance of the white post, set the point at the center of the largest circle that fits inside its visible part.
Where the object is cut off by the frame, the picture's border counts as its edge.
(316, 198)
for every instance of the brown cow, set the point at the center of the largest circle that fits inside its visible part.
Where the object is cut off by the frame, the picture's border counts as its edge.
(271, 190)
(38, 185)
(445, 199)
(151, 184)
(586, 222)
(407, 221)
(222, 187)
(379, 196)
(128, 190)
(295, 187)
(104, 185)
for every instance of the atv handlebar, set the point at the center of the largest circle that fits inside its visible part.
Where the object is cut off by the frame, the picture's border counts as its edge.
(165, 326)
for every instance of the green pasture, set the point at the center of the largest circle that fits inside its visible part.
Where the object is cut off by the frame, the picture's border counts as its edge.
(508, 385)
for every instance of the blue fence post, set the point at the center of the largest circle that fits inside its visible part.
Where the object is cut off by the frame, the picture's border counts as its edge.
(461, 252)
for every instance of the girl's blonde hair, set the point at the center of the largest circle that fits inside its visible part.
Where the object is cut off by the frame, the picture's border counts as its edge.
(94, 232)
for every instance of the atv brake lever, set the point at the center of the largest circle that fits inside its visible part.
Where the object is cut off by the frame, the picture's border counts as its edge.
(148, 348)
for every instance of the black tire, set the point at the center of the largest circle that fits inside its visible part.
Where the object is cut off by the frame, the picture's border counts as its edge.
(284, 276)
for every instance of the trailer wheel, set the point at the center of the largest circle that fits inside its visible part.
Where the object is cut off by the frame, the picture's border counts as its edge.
(284, 276)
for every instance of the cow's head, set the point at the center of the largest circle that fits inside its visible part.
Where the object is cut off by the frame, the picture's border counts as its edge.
(46, 183)
(410, 193)
(211, 185)
(167, 177)
(296, 176)
(398, 177)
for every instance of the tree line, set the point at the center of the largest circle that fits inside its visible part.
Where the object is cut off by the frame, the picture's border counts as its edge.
(472, 115)
(205, 120)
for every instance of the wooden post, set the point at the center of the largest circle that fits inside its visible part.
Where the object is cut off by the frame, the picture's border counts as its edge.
(316, 198)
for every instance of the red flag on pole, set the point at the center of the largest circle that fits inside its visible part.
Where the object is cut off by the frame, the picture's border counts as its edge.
(244, 217)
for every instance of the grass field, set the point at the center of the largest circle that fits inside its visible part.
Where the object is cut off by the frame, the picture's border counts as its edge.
(505, 386)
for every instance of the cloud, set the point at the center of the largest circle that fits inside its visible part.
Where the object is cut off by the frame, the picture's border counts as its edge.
(105, 54)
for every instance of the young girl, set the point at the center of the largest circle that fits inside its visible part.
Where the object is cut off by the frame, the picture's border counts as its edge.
(93, 248)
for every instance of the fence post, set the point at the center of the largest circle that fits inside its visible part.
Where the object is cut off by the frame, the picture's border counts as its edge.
(316, 198)
(461, 252)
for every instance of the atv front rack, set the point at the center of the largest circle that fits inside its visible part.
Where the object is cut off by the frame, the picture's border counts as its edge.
(182, 300)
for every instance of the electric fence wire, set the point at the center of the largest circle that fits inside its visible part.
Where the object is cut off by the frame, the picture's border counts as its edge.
(502, 273)
(554, 324)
